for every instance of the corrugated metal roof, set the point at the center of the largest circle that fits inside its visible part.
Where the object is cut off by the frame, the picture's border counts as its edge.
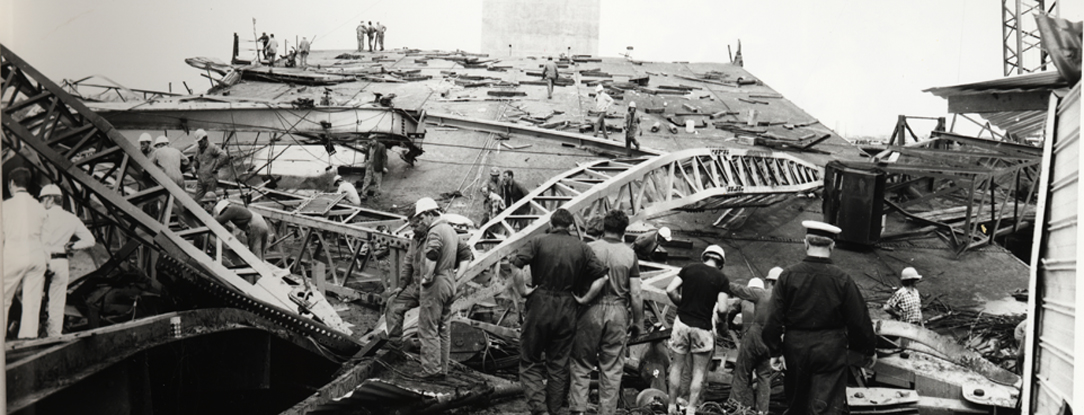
(1021, 83)
(1018, 123)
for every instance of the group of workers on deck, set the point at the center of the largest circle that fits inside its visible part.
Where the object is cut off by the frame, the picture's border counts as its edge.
(584, 303)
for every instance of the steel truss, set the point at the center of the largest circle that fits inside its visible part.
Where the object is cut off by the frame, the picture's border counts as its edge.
(698, 178)
(128, 201)
(1021, 44)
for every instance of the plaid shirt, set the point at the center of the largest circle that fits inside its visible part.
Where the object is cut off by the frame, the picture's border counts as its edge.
(907, 302)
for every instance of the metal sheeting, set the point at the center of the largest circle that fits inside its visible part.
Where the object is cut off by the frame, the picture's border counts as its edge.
(1028, 82)
(1018, 123)
(1055, 328)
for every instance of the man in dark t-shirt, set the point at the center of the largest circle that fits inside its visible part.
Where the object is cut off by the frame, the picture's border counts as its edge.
(701, 301)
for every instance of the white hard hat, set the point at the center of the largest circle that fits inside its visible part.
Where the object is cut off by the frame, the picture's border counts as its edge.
(598, 88)
(220, 206)
(715, 250)
(337, 179)
(145, 138)
(632, 104)
(161, 140)
(818, 228)
(425, 204)
(664, 232)
(756, 282)
(773, 274)
(200, 134)
(50, 190)
(910, 273)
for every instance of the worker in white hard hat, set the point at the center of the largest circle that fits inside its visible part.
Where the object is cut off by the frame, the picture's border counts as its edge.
(603, 102)
(170, 160)
(57, 239)
(145, 142)
(24, 257)
(632, 129)
(753, 356)
(343, 186)
(648, 242)
(906, 304)
(701, 292)
(407, 294)
(817, 317)
(438, 283)
(492, 202)
(251, 223)
(209, 158)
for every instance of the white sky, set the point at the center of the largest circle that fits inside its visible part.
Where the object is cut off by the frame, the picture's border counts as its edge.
(855, 65)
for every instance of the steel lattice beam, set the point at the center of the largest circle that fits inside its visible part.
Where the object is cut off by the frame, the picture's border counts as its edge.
(1021, 44)
(108, 176)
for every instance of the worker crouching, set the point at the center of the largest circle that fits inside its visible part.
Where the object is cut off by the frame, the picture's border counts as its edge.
(255, 227)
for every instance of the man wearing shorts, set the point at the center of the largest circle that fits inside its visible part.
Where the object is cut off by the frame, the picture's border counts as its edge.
(700, 292)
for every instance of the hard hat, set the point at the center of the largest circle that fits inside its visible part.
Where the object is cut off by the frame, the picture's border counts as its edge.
(209, 197)
(713, 250)
(664, 232)
(200, 134)
(494, 172)
(161, 140)
(756, 282)
(220, 206)
(50, 190)
(337, 179)
(774, 274)
(632, 104)
(145, 138)
(598, 88)
(910, 273)
(425, 204)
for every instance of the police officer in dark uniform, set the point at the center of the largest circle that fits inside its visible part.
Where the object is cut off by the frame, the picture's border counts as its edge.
(822, 312)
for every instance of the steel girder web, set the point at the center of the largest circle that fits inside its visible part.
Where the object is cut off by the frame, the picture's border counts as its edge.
(642, 186)
(109, 177)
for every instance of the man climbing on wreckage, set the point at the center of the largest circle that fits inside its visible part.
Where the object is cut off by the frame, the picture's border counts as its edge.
(823, 315)
(408, 295)
(701, 292)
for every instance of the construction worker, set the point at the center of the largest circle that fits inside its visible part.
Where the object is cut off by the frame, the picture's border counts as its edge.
(511, 191)
(25, 259)
(362, 31)
(375, 168)
(604, 327)
(632, 129)
(549, 73)
(408, 294)
(438, 282)
(492, 203)
(753, 355)
(370, 29)
(303, 52)
(559, 264)
(56, 237)
(251, 223)
(145, 144)
(817, 316)
(348, 188)
(648, 242)
(700, 292)
(209, 158)
(906, 304)
(603, 101)
(262, 49)
(272, 50)
(169, 159)
(380, 29)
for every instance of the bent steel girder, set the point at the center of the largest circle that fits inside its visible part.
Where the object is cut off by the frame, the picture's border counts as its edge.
(121, 191)
(642, 187)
